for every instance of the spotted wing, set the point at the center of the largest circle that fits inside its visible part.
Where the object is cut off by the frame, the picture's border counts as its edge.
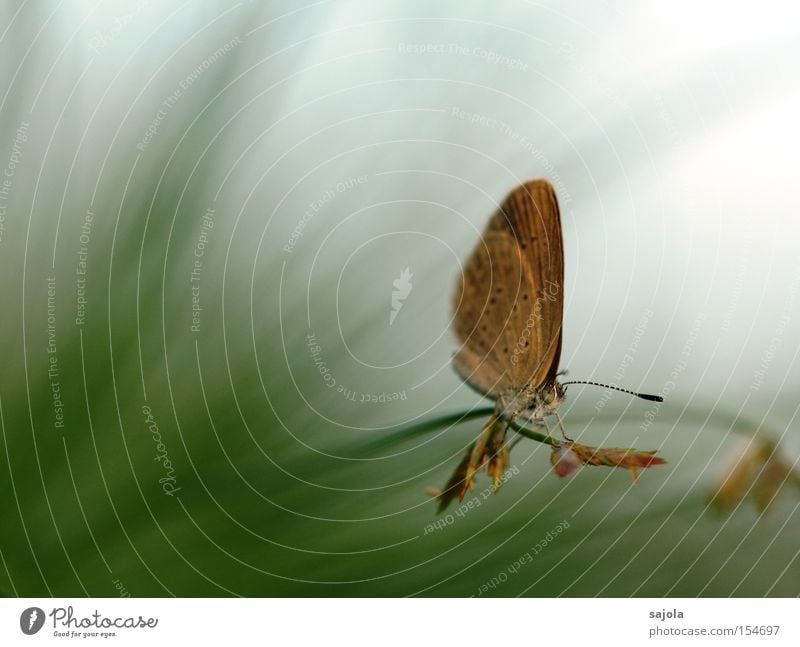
(509, 301)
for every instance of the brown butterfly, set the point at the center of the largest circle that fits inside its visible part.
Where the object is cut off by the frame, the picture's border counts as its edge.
(509, 306)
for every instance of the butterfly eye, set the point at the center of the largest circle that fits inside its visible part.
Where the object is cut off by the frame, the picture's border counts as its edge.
(549, 395)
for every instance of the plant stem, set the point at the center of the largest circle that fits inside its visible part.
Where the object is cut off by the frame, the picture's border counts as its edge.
(462, 416)
(533, 435)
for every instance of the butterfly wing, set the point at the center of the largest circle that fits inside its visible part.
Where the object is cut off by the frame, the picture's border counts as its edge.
(532, 217)
(485, 303)
(509, 301)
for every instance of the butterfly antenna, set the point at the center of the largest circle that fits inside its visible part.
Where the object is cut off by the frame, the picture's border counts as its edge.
(643, 396)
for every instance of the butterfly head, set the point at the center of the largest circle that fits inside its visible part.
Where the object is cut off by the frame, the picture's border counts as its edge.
(552, 395)
(548, 398)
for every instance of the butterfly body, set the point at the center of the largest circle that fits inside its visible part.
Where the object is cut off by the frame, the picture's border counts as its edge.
(531, 403)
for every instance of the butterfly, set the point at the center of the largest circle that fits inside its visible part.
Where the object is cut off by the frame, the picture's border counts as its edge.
(509, 306)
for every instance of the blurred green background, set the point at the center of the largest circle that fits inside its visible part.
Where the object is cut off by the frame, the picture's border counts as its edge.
(204, 208)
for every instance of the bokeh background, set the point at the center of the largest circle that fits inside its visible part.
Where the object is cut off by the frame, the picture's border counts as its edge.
(205, 206)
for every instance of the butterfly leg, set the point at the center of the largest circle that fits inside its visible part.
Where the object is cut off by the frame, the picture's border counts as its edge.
(563, 429)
